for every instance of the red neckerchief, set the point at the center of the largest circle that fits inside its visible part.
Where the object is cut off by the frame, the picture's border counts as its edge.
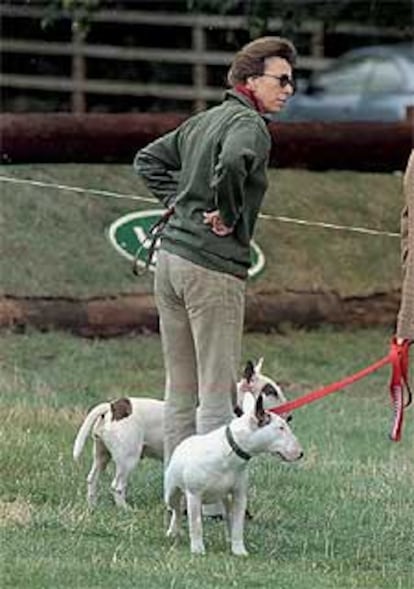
(245, 91)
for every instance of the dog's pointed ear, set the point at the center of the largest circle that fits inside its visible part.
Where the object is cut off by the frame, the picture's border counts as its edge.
(249, 371)
(263, 418)
(248, 403)
(259, 365)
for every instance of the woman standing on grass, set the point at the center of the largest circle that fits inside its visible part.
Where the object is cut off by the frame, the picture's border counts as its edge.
(405, 321)
(212, 171)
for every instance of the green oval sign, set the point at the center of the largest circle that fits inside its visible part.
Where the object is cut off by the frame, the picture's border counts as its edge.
(130, 233)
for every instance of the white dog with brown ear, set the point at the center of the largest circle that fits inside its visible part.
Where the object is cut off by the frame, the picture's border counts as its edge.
(213, 467)
(125, 430)
(132, 427)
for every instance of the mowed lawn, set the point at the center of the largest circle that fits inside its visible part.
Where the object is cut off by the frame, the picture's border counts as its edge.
(343, 518)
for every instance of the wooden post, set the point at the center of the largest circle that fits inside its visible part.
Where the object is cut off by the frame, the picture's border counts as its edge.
(318, 40)
(78, 99)
(199, 69)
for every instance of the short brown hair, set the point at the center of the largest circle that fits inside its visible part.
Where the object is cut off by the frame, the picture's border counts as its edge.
(250, 60)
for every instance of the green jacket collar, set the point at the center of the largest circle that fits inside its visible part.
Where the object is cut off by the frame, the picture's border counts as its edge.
(233, 95)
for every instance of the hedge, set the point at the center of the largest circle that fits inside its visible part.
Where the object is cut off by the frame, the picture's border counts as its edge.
(92, 138)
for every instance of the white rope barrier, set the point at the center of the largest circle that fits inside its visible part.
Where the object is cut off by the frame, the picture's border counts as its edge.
(264, 216)
(93, 191)
(323, 225)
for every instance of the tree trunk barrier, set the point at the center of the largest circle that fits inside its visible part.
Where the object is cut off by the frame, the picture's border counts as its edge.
(119, 315)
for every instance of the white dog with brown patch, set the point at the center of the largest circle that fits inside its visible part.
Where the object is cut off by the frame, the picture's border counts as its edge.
(130, 428)
(213, 467)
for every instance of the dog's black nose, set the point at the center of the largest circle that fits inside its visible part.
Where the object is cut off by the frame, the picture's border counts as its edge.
(300, 455)
(289, 418)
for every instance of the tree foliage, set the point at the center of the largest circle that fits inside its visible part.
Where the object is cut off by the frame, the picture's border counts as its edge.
(79, 12)
(375, 12)
(397, 13)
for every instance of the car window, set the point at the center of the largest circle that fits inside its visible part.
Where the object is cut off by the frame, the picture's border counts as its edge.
(347, 77)
(385, 76)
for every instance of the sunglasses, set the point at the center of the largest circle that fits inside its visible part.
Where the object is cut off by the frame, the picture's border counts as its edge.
(284, 80)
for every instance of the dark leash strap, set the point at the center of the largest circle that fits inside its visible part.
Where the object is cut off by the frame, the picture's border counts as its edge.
(151, 238)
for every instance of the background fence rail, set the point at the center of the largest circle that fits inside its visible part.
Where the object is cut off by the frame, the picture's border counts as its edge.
(78, 83)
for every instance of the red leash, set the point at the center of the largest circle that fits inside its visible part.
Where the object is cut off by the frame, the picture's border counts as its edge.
(398, 358)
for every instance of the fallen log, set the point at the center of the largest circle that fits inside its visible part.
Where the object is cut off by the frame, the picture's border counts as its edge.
(104, 317)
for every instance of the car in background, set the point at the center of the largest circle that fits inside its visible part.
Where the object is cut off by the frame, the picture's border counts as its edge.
(367, 84)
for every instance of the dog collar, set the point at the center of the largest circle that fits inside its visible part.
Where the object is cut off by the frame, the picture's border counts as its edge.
(234, 446)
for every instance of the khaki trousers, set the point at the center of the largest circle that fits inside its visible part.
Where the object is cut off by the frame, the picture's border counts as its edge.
(201, 322)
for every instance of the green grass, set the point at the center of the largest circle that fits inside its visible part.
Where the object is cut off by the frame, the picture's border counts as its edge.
(59, 237)
(341, 519)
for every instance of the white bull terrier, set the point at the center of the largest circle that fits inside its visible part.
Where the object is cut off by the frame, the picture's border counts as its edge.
(213, 467)
(131, 428)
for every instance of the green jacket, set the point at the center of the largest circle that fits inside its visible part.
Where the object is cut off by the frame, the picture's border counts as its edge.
(215, 160)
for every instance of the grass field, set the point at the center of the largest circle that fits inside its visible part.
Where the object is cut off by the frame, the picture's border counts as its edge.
(341, 519)
(60, 238)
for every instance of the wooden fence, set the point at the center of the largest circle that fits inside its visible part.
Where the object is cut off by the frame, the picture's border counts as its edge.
(198, 56)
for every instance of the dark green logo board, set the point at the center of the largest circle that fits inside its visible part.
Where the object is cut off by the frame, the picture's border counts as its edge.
(130, 232)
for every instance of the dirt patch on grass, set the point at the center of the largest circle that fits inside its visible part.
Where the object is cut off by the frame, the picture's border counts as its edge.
(17, 512)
